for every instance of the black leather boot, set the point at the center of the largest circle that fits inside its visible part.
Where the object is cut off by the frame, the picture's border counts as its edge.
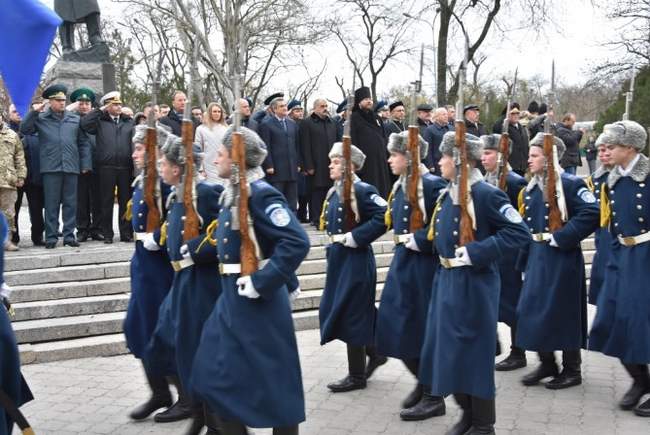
(161, 397)
(640, 386)
(429, 406)
(571, 374)
(356, 378)
(465, 422)
(548, 368)
(198, 421)
(374, 361)
(180, 410)
(414, 397)
(517, 357)
(483, 417)
(212, 422)
(233, 428)
(289, 430)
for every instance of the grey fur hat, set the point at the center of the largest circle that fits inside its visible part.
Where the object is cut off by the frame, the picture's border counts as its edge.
(398, 143)
(604, 138)
(162, 132)
(474, 145)
(357, 156)
(491, 142)
(174, 151)
(626, 133)
(254, 146)
(538, 141)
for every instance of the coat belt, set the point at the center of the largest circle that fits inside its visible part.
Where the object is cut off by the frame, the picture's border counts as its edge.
(541, 237)
(399, 239)
(235, 268)
(337, 238)
(450, 263)
(139, 236)
(633, 240)
(182, 264)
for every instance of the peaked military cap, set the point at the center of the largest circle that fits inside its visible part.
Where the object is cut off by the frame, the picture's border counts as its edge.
(398, 143)
(474, 145)
(111, 98)
(471, 107)
(342, 106)
(380, 106)
(82, 94)
(294, 104)
(55, 92)
(273, 97)
(356, 155)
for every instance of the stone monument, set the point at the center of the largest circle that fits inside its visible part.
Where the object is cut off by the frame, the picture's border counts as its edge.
(89, 66)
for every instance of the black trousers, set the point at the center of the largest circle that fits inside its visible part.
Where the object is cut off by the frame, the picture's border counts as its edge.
(316, 203)
(290, 191)
(88, 204)
(36, 205)
(109, 178)
(571, 360)
(15, 237)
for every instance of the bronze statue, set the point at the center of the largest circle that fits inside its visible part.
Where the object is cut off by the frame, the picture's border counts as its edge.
(78, 11)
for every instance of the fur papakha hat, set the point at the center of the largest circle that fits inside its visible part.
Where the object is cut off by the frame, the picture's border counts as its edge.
(357, 156)
(174, 151)
(626, 133)
(398, 143)
(474, 145)
(253, 145)
(162, 132)
(538, 141)
(492, 141)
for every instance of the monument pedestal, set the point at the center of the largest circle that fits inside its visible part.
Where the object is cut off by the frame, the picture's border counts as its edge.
(100, 77)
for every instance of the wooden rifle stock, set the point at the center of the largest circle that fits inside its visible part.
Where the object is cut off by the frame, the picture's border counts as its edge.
(554, 216)
(348, 214)
(417, 217)
(505, 155)
(191, 226)
(466, 230)
(248, 258)
(150, 180)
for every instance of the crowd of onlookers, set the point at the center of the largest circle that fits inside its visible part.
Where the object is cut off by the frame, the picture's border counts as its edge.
(71, 154)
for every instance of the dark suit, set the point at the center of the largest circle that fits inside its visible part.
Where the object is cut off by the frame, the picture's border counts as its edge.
(175, 122)
(283, 157)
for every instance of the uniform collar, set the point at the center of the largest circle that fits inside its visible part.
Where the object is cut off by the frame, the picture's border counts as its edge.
(639, 171)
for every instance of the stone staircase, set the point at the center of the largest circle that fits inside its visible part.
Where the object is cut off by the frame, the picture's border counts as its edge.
(70, 303)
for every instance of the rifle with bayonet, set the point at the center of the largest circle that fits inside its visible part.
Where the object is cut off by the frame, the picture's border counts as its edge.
(191, 226)
(413, 149)
(349, 219)
(154, 216)
(554, 215)
(629, 96)
(462, 165)
(504, 142)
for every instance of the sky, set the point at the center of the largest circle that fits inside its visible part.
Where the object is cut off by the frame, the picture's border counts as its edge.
(575, 43)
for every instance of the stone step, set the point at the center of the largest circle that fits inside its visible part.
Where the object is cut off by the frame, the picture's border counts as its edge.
(70, 307)
(31, 259)
(68, 273)
(61, 328)
(67, 290)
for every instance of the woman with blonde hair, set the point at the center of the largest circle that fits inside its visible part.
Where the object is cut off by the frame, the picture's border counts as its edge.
(208, 135)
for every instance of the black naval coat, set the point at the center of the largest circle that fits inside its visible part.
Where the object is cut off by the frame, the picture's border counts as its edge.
(75, 11)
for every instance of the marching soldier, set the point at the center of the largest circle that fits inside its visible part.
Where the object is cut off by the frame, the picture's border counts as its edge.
(596, 183)
(458, 352)
(247, 369)
(402, 314)
(151, 277)
(14, 391)
(552, 310)
(347, 310)
(622, 325)
(196, 285)
(510, 277)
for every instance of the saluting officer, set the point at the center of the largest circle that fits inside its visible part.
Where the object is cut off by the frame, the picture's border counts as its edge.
(458, 352)
(596, 183)
(552, 310)
(247, 369)
(510, 277)
(151, 277)
(402, 314)
(622, 325)
(196, 285)
(347, 310)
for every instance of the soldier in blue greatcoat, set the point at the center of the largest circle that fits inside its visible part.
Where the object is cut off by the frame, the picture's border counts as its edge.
(12, 382)
(196, 284)
(402, 314)
(151, 279)
(552, 310)
(458, 352)
(603, 239)
(247, 369)
(347, 309)
(622, 325)
(510, 276)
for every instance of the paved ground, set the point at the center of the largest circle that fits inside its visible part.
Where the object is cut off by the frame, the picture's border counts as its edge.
(89, 396)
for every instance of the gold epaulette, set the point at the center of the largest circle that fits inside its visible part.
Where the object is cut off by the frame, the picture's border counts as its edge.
(163, 233)
(388, 218)
(590, 184)
(208, 235)
(321, 223)
(128, 214)
(605, 208)
(520, 202)
(432, 223)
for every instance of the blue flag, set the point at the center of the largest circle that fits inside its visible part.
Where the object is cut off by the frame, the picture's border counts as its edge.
(28, 29)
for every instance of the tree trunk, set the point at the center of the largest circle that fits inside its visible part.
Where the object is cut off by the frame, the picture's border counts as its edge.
(441, 67)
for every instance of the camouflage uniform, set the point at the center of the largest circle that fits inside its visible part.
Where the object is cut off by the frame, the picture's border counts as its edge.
(12, 170)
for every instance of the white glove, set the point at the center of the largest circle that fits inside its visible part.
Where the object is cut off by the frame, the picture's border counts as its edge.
(463, 256)
(553, 243)
(185, 251)
(5, 290)
(245, 288)
(349, 241)
(523, 276)
(411, 244)
(294, 294)
(149, 243)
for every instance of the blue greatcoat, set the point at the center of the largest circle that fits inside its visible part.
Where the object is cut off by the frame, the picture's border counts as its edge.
(552, 310)
(458, 351)
(195, 289)
(622, 324)
(247, 367)
(402, 314)
(11, 381)
(510, 275)
(151, 279)
(603, 241)
(347, 309)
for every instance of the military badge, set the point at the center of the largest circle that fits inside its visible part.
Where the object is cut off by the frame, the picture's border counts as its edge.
(586, 195)
(511, 214)
(280, 216)
(381, 202)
